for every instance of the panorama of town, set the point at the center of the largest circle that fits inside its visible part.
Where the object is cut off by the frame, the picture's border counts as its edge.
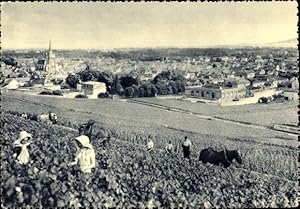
(225, 76)
(149, 105)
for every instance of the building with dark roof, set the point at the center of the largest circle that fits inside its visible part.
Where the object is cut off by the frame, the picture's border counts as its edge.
(40, 65)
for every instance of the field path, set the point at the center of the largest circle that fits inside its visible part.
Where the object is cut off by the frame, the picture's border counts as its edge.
(209, 117)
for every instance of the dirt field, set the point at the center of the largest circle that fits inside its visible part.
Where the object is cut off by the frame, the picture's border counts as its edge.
(259, 114)
(121, 113)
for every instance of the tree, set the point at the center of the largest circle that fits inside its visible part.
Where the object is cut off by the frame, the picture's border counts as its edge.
(154, 90)
(141, 91)
(162, 88)
(105, 77)
(103, 95)
(168, 75)
(127, 81)
(119, 89)
(10, 61)
(72, 80)
(87, 75)
(180, 86)
(173, 86)
(170, 90)
(129, 91)
(136, 90)
(147, 90)
(116, 87)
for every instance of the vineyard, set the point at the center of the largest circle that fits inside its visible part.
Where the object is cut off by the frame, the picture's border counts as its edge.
(127, 176)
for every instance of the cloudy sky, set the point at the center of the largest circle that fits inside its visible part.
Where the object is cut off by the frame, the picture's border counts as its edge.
(120, 25)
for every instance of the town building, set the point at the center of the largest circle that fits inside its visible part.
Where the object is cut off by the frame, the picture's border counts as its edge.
(212, 92)
(92, 89)
(245, 74)
(49, 63)
(258, 84)
(294, 83)
(40, 65)
(291, 94)
(240, 84)
(11, 84)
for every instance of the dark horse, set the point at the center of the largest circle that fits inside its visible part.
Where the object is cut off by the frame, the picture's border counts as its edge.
(89, 130)
(225, 157)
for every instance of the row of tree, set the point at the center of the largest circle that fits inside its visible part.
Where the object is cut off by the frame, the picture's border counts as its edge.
(165, 83)
(149, 89)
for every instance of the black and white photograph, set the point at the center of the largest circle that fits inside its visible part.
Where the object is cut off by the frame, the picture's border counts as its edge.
(149, 104)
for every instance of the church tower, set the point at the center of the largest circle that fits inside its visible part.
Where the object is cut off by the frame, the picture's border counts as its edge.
(50, 62)
(50, 67)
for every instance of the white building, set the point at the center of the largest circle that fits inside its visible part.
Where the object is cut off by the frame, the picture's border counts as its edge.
(291, 94)
(212, 93)
(258, 83)
(12, 85)
(92, 89)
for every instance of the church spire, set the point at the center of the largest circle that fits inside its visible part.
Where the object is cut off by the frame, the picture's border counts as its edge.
(50, 45)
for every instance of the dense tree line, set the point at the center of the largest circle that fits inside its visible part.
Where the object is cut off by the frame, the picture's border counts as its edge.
(166, 83)
(10, 61)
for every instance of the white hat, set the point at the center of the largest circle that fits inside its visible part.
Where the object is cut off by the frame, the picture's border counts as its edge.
(84, 141)
(22, 135)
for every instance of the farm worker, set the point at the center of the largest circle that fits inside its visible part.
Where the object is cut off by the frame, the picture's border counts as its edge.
(86, 155)
(169, 147)
(150, 144)
(24, 115)
(186, 146)
(22, 142)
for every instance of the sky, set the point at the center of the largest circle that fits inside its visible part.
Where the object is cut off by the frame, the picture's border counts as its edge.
(106, 25)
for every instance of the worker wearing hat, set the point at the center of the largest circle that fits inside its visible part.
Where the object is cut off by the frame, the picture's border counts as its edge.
(150, 144)
(86, 155)
(22, 142)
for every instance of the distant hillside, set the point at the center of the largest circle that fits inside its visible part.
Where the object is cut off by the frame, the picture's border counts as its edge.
(291, 43)
(286, 43)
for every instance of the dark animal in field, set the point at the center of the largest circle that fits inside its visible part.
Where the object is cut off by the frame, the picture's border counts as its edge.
(225, 157)
(50, 118)
(87, 128)
(94, 132)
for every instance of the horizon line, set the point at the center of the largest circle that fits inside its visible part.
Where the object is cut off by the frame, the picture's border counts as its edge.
(239, 45)
(160, 47)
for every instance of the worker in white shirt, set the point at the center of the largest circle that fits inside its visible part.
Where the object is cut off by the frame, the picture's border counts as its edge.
(186, 146)
(85, 156)
(22, 143)
(150, 144)
(169, 147)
